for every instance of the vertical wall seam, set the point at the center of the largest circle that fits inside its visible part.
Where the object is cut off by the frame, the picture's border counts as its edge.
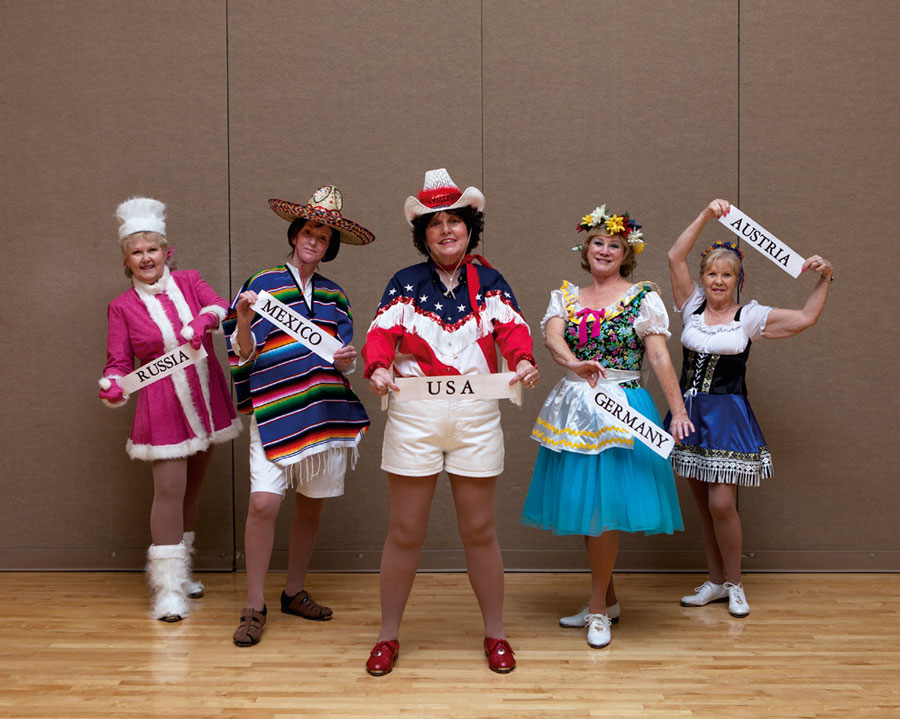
(737, 496)
(230, 269)
(481, 48)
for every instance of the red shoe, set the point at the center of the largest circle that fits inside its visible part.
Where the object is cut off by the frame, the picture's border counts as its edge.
(382, 658)
(500, 655)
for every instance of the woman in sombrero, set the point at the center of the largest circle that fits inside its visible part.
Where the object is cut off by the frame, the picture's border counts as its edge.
(307, 421)
(441, 318)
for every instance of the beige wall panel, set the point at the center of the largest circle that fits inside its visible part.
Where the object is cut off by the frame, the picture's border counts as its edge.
(101, 101)
(819, 167)
(645, 123)
(395, 92)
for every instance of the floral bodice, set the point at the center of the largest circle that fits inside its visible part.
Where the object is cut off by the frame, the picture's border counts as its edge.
(612, 335)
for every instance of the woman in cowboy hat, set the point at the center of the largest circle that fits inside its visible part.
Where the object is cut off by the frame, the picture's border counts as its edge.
(592, 477)
(179, 417)
(728, 448)
(444, 317)
(307, 421)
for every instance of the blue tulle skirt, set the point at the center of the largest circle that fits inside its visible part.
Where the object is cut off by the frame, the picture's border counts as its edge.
(630, 490)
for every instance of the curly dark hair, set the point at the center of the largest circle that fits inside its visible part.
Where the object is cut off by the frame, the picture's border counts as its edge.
(473, 218)
(334, 244)
(629, 261)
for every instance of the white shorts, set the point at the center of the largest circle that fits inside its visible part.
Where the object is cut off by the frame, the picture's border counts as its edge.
(317, 476)
(461, 436)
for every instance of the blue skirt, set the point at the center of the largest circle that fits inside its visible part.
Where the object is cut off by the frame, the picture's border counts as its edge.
(727, 444)
(630, 490)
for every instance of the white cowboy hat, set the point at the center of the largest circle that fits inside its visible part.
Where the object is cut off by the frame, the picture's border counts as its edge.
(440, 194)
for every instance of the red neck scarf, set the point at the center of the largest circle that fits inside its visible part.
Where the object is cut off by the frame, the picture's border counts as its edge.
(471, 279)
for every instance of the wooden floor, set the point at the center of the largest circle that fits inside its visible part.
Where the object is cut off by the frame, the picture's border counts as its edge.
(815, 645)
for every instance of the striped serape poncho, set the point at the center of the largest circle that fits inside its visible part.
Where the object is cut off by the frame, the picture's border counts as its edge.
(303, 405)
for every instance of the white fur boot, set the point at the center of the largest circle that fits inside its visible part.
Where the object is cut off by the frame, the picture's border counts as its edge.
(192, 587)
(167, 574)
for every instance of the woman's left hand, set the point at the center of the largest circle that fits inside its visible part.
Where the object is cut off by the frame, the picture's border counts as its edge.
(195, 330)
(819, 264)
(527, 374)
(344, 358)
(680, 425)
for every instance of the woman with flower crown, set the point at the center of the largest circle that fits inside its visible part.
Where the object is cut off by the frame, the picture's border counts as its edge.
(591, 477)
(727, 448)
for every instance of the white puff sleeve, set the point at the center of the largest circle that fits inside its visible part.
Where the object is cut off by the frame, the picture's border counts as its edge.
(652, 318)
(691, 303)
(556, 308)
(753, 319)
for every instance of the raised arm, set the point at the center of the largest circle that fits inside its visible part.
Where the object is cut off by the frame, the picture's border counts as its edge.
(783, 323)
(679, 272)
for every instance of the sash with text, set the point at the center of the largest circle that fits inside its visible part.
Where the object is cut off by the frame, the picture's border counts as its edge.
(763, 241)
(296, 326)
(654, 436)
(154, 371)
(463, 386)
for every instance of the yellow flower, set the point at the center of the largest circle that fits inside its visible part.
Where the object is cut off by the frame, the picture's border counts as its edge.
(638, 247)
(614, 224)
(586, 220)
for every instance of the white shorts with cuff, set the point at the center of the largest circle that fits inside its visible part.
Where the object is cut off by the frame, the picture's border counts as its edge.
(317, 476)
(461, 436)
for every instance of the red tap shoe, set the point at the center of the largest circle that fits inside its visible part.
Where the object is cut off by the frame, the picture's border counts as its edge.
(382, 658)
(500, 655)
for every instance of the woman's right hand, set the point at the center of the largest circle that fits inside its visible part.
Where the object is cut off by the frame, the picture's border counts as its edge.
(244, 309)
(113, 393)
(591, 370)
(380, 381)
(717, 208)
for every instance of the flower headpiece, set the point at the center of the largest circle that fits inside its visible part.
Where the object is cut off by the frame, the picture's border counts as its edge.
(732, 247)
(614, 225)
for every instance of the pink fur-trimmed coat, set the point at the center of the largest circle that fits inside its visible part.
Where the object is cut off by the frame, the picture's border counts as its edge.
(191, 409)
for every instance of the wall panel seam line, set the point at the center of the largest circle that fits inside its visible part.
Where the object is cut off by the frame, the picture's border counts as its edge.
(230, 268)
(481, 69)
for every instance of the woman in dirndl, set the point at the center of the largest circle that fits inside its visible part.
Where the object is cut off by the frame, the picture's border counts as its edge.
(591, 477)
(726, 448)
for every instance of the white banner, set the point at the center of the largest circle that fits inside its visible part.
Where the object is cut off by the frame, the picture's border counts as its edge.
(151, 372)
(654, 436)
(461, 386)
(297, 326)
(763, 241)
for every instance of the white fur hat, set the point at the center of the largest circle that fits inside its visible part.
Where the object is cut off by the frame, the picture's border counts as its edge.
(141, 214)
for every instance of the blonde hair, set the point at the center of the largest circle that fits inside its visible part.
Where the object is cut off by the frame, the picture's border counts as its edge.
(127, 244)
(629, 259)
(721, 253)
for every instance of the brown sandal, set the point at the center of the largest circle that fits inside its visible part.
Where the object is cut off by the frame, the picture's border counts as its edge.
(303, 605)
(249, 630)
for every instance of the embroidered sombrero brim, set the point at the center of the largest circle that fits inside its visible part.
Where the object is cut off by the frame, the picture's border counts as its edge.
(472, 197)
(350, 232)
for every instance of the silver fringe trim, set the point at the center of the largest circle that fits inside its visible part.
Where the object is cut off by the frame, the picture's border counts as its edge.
(743, 472)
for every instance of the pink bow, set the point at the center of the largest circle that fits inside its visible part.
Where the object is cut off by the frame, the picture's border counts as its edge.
(583, 323)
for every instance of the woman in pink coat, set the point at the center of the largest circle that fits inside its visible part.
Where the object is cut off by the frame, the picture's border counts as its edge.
(179, 417)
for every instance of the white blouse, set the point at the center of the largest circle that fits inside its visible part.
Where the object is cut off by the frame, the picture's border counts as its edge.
(652, 317)
(730, 338)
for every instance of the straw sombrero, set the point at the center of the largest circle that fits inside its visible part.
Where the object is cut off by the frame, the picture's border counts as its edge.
(325, 207)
